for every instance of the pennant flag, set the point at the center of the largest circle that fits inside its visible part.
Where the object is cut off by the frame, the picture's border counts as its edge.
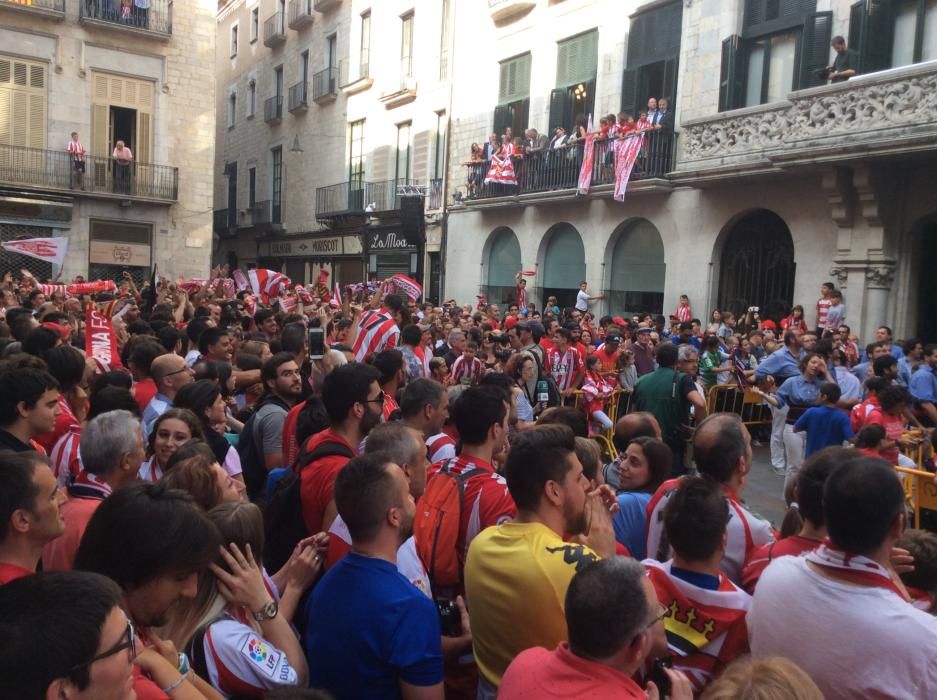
(240, 279)
(336, 300)
(410, 287)
(49, 249)
(100, 341)
(267, 283)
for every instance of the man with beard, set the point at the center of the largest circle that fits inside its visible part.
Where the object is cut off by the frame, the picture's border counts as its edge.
(371, 632)
(153, 542)
(354, 401)
(517, 573)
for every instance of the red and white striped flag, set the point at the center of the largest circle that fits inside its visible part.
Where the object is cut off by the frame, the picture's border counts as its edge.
(49, 249)
(410, 287)
(267, 284)
(336, 300)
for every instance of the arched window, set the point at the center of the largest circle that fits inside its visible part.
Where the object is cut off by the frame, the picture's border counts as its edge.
(636, 278)
(504, 261)
(564, 265)
(757, 266)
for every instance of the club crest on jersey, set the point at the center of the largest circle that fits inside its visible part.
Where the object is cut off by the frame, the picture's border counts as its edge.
(260, 654)
(687, 630)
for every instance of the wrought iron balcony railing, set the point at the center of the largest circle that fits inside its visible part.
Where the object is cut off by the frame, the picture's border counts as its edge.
(325, 85)
(48, 8)
(273, 109)
(55, 170)
(298, 97)
(155, 19)
(300, 14)
(274, 30)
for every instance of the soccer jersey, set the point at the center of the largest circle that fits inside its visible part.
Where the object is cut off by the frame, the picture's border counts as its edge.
(241, 662)
(745, 530)
(705, 620)
(516, 578)
(792, 546)
(466, 372)
(64, 457)
(377, 331)
(439, 447)
(564, 367)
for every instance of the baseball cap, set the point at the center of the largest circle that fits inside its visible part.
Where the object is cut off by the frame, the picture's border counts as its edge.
(619, 321)
(613, 338)
(643, 330)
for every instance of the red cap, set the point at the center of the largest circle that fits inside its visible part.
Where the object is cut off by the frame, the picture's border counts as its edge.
(619, 321)
(769, 324)
(64, 331)
(510, 322)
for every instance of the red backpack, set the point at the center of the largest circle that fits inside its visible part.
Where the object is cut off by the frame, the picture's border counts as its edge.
(437, 524)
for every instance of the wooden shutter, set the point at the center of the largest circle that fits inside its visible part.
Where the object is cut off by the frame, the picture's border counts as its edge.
(815, 49)
(878, 36)
(636, 45)
(856, 38)
(144, 152)
(100, 141)
(22, 103)
(502, 118)
(577, 59)
(670, 81)
(521, 117)
(729, 82)
(514, 79)
(559, 110)
(629, 90)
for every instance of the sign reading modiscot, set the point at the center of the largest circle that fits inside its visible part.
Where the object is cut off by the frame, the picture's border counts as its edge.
(311, 247)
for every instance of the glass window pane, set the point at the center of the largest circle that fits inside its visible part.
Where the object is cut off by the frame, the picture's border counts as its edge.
(902, 52)
(403, 152)
(756, 61)
(781, 68)
(929, 47)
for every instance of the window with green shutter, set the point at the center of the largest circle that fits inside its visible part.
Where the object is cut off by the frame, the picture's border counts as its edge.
(577, 59)
(515, 79)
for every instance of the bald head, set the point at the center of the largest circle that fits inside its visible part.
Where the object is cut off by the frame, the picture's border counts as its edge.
(632, 425)
(171, 373)
(722, 448)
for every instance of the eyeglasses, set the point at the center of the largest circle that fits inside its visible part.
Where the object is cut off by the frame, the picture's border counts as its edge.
(663, 612)
(169, 374)
(377, 399)
(130, 635)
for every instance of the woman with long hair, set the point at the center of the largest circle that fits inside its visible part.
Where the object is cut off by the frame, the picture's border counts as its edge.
(222, 374)
(642, 467)
(522, 368)
(795, 321)
(238, 625)
(194, 469)
(170, 432)
(204, 399)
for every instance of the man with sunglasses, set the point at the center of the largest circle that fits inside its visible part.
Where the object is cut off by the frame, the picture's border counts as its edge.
(613, 623)
(354, 401)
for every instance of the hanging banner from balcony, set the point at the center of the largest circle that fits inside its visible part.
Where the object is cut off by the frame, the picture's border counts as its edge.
(48, 249)
(626, 153)
(588, 155)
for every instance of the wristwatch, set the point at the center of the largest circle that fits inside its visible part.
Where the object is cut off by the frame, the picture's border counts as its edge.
(267, 612)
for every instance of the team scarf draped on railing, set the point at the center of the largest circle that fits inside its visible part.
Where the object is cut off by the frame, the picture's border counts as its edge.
(626, 154)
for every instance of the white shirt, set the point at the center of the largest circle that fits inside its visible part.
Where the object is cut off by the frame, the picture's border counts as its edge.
(853, 641)
(582, 301)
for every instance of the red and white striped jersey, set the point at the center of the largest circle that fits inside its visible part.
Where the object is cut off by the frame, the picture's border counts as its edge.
(150, 470)
(377, 331)
(823, 310)
(464, 369)
(390, 405)
(683, 313)
(439, 447)
(565, 367)
(65, 459)
(241, 662)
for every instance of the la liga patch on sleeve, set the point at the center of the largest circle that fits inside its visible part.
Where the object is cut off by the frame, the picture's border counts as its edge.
(259, 653)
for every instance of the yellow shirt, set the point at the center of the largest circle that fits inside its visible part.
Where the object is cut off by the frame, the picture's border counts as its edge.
(516, 576)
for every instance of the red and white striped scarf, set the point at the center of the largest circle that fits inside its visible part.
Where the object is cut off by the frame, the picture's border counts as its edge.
(854, 568)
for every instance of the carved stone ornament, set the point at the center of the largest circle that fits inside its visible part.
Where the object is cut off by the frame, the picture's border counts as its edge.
(847, 113)
(840, 274)
(880, 276)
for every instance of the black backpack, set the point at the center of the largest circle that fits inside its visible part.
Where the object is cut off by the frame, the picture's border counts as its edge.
(284, 526)
(252, 454)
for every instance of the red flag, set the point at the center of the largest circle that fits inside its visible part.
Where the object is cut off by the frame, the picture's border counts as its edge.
(410, 287)
(267, 284)
(100, 341)
(336, 300)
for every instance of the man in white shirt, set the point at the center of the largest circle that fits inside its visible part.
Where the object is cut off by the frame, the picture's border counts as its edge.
(841, 612)
(584, 299)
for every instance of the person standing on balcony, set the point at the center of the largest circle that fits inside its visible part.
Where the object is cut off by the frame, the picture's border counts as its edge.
(652, 113)
(846, 63)
(77, 153)
(665, 121)
(123, 158)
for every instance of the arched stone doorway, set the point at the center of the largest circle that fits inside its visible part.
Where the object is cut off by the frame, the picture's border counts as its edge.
(564, 265)
(503, 261)
(637, 272)
(756, 265)
(922, 318)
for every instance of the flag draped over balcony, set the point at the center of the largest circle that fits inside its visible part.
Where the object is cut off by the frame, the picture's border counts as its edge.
(588, 154)
(626, 153)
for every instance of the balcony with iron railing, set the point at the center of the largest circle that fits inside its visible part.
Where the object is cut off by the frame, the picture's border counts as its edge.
(325, 5)
(298, 100)
(224, 222)
(274, 30)
(264, 215)
(325, 86)
(54, 9)
(103, 177)
(355, 79)
(360, 198)
(891, 112)
(273, 110)
(300, 14)
(556, 172)
(154, 21)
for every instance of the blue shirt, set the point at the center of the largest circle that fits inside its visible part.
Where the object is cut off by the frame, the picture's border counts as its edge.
(861, 372)
(825, 427)
(799, 391)
(780, 364)
(904, 372)
(923, 384)
(630, 522)
(157, 406)
(368, 628)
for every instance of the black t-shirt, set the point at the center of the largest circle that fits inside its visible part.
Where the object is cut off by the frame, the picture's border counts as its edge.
(8, 441)
(847, 60)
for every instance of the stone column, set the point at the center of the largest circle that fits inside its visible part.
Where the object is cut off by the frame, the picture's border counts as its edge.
(878, 279)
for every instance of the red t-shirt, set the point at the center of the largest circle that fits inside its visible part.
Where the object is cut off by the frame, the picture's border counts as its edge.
(318, 479)
(758, 561)
(894, 427)
(11, 572)
(609, 361)
(541, 673)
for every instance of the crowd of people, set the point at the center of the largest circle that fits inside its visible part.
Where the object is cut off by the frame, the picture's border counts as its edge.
(508, 161)
(206, 495)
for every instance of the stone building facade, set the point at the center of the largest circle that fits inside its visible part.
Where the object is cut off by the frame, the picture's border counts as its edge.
(109, 71)
(346, 174)
(774, 183)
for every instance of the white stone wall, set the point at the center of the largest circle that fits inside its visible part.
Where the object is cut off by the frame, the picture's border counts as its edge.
(183, 118)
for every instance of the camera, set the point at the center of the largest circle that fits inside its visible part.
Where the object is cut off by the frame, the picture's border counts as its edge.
(450, 620)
